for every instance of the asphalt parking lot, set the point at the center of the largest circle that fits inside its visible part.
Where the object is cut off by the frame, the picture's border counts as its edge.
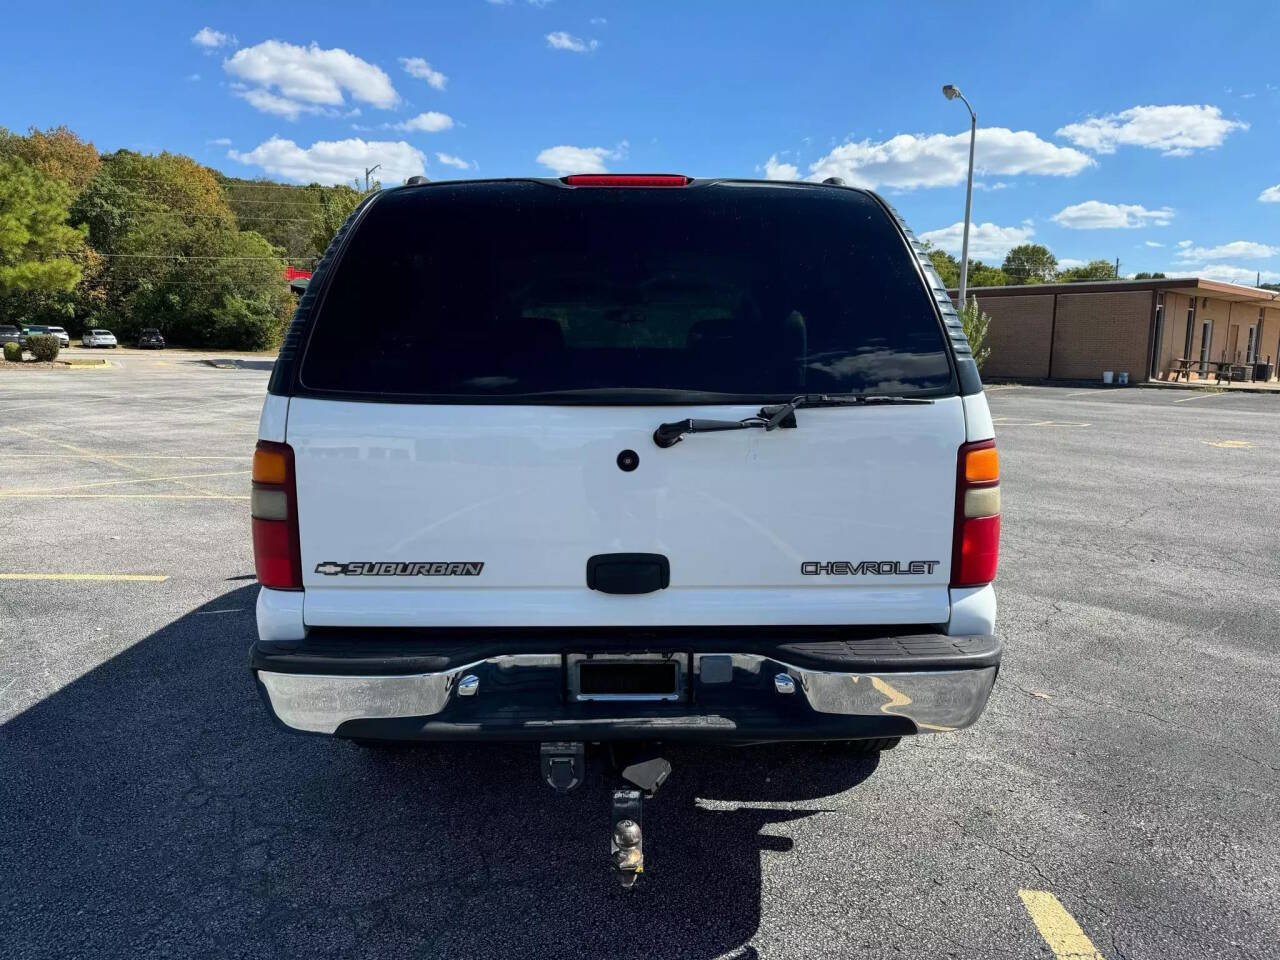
(1127, 765)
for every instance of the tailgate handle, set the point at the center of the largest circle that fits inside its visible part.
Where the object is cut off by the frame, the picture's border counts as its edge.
(628, 572)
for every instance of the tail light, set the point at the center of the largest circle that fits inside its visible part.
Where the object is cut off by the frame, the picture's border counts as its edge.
(277, 556)
(976, 547)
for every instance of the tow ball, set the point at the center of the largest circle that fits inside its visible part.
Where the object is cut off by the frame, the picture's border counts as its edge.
(564, 767)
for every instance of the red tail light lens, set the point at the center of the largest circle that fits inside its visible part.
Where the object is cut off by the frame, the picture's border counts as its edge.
(277, 556)
(976, 546)
(626, 180)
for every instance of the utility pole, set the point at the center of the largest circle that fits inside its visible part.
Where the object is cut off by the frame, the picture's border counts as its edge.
(367, 171)
(1117, 268)
(951, 92)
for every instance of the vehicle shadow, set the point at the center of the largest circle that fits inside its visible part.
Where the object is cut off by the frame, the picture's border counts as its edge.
(150, 808)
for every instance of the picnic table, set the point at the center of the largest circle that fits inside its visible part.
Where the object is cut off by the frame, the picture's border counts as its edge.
(1222, 369)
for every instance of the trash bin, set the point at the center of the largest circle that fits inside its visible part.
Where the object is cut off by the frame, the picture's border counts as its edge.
(1264, 371)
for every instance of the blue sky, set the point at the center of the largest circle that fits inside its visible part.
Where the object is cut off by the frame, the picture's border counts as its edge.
(1147, 132)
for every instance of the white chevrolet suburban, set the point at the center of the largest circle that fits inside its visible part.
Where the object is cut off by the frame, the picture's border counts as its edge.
(626, 460)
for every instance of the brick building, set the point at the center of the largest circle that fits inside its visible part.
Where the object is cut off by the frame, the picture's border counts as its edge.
(1076, 331)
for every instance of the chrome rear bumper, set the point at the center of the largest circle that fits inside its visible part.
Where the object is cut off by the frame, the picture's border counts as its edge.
(732, 696)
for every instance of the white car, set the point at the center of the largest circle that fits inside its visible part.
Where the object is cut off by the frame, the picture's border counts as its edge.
(98, 338)
(626, 460)
(64, 340)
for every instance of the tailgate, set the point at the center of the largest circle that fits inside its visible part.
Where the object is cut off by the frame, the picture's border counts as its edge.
(486, 515)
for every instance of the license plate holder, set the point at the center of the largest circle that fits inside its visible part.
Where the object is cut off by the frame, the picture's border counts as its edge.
(637, 677)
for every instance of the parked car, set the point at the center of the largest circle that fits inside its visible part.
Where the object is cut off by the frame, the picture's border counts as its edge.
(99, 338)
(627, 459)
(11, 334)
(150, 339)
(64, 339)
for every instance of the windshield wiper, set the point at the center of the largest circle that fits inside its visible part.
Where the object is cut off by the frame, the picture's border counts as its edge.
(773, 418)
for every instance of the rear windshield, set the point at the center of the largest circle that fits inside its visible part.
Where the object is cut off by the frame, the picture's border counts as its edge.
(519, 291)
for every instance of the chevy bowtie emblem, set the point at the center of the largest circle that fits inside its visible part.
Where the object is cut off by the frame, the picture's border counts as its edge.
(329, 568)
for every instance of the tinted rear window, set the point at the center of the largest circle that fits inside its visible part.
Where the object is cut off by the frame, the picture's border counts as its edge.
(515, 290)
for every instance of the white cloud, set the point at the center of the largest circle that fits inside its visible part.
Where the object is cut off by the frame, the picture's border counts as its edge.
(1069, 263)
(287, 80)
(774, 169)
(598, 21)
(193, 78)
(266, 102)
(212, 39)
(1242, 249)
(1151, 243)
(419, 69)
(1096, 215)
(1174, 130)
(220, 142)
(449, 160)
(429, 122)
(1270, 195)
(941, 160)
(564, 160)
(987, 241)
(334, 161)
(998, 185)
(1184, 243)
(560, 40)
(540, 4)
(1222, 271)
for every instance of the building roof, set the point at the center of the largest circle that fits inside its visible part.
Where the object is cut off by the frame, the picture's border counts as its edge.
(1218, 289)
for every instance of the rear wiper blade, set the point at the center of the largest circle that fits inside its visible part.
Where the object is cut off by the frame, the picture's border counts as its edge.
(772, 418)
(784, 414)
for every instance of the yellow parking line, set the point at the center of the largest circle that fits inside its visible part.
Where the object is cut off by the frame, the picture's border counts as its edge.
(1058, 928)
(113, 456)
(20, 495)
(103, 458)
(113, 483)
(104, 577)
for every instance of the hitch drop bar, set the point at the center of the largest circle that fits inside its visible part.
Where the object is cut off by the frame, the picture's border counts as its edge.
(564, 767)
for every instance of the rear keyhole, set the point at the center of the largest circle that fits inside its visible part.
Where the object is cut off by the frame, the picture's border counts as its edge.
(628, 460)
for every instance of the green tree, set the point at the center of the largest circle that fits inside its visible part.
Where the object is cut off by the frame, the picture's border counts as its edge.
(1148, 276)
(58, 153)
(1093, 270)
(40, 255)
(334, 206)
(948, 267)
(173, 256)
(1030, 263)
(981, 275)
(975, 324)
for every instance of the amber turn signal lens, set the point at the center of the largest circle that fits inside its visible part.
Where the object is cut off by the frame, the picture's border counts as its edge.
(269, 466)
(981, 466)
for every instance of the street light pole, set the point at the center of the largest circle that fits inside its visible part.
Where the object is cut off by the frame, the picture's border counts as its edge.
(369, 170)
(952, 92)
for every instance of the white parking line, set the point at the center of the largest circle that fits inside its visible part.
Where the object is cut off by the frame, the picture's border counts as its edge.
(1201, 396)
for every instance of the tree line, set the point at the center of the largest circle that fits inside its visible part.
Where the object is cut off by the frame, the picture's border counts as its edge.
(127, 241)
(1025, 263)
